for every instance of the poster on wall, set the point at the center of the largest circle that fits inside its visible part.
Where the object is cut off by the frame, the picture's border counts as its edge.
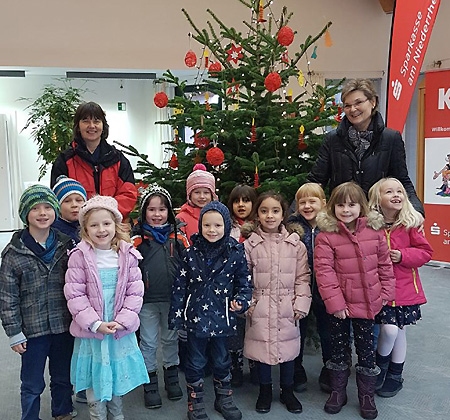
(437, 163)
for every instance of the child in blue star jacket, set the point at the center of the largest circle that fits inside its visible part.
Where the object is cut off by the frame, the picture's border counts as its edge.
(213, 285)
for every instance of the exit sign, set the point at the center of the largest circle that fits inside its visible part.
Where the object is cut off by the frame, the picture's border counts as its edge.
(121, 106)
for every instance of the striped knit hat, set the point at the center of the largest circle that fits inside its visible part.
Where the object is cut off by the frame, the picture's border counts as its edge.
(66, 186)
(34, 195)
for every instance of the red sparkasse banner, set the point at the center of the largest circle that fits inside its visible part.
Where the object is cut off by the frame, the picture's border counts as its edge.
(412, 24)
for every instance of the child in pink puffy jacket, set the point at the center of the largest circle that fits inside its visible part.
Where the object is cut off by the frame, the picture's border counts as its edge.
(355, 278)
(104, 292)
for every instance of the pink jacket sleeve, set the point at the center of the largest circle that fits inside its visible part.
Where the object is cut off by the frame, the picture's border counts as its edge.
(302, 301)
(418, 253)
(385, 271)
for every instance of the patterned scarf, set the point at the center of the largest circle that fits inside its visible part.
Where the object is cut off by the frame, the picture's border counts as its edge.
(360, 140)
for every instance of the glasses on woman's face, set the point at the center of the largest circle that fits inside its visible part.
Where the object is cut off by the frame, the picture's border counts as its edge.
(357, 104)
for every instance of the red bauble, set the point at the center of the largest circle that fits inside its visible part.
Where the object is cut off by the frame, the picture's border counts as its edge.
(214, 69)
(285, 36)
(173, 163)
(201, 142)
(215, 156)
(272, 81)
(190, 59)
(161, 100)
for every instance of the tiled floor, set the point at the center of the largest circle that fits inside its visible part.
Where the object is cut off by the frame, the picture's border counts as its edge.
(426, 393)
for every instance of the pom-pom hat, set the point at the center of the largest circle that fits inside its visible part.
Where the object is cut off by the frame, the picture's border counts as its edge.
(155, 189)
(200, 178)
(66, 186)
(34, 195)
(100, 202)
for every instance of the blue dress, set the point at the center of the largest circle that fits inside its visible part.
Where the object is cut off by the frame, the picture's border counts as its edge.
(109, 366)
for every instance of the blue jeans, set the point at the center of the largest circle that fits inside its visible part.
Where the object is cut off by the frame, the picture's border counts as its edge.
(58, 349)
(197, 357)
(154, 320)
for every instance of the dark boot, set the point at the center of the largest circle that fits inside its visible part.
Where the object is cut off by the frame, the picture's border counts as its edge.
(288, 398)
(264, 400)
(393, 382)
(338, 396)
(152, 399)
(196, 406)
(237, 372)
(300, 378)
(383, 364)
(171, 384)
(324, 380)
(366, 390)
(224, 403)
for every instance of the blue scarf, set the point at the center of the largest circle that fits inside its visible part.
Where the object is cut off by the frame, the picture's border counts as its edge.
(45, 254)
(160, 233)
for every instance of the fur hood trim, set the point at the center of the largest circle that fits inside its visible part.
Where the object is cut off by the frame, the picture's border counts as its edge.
(328, 223)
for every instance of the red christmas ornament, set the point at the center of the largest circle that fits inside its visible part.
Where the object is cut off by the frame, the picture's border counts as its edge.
(190, 59)
(161, 100)
(272, 81)
(285, 36)
(253, 132)
(256, 179)
(214, 69)
(338, 117)
(201, 142)
(234, 53)
(173, 163)
(215, 156)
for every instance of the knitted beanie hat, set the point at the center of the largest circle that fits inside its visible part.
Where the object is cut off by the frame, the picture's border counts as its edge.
(33, 195)
(224, 212)
(100, 202)
(200, 178)
(66, 186)
(147, 195)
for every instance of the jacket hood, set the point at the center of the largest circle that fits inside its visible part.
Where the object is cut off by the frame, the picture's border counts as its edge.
(249, 227)
(328, 223)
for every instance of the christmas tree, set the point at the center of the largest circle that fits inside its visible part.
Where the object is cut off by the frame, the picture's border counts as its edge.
(259, 133)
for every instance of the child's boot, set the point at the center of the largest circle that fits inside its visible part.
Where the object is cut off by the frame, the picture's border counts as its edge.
(264, 400)
(288, 398)
(152, 399)
(237, 371)
(338, 396)
(64, 417)
(196, 406)
(365, 380)
(115, 408)
(171, 383)
(224, 403)
(383, 364)
(393, 382)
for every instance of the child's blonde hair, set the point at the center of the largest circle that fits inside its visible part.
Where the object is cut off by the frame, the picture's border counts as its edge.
(408, 216)
(122, 230)
(351, 191)
(309, 189)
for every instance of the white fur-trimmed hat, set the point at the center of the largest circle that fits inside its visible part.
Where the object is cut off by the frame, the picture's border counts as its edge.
(100, 202)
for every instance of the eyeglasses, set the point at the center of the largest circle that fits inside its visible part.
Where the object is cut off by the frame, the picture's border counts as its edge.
(357, 104)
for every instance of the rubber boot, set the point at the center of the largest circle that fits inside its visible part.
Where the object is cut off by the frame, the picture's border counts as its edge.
(237, 371)
(171, 383)
(393, 382)
(288, 398)
(264, 400)
(224, 403)
(152, 399)
(366, 391)
(383, 364)
(338, 396)
(196, 406)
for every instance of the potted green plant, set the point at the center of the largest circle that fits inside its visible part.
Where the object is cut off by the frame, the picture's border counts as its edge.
(51, 120)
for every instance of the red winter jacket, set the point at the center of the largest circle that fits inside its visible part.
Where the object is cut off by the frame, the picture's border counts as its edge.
(353, 270)
(190, 215)
(416, 251)
(110, 175)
